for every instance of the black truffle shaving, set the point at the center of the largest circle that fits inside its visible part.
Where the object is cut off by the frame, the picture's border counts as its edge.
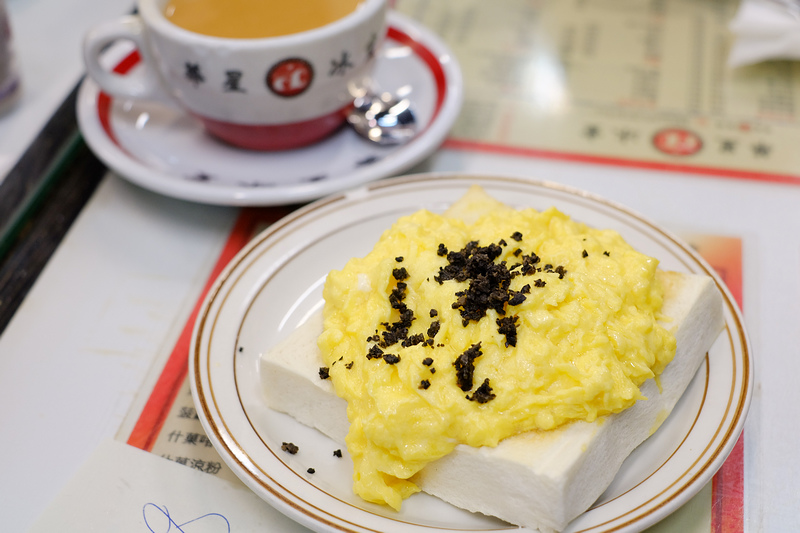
(374, 352)
(529, 263)
(324, 372)
(465, 366)
(337, 453)
(428, 361)
(290, 448)
(483, 393)
(424, 384)
(392, 336)
(397, 331)
(487, 290)
(397, 296)
(400, 274)
(488, 281)
(469, 262)
(508, 326)
(413, 340)
(516, 298)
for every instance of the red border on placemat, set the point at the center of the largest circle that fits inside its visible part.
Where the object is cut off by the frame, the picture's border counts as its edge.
(158, 405)
(727, 485)
(767, 177)
(727, 493)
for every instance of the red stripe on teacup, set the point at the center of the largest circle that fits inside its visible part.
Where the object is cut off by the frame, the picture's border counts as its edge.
(431, 61)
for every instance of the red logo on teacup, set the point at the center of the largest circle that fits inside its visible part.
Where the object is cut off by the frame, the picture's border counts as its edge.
(677, 141)
(290, 77)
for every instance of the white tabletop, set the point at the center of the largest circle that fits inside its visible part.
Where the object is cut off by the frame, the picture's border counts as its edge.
(121, 285)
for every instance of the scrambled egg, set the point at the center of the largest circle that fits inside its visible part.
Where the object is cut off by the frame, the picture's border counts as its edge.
(450, 333)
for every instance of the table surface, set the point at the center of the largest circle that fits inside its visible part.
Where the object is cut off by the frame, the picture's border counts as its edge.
(110, 302)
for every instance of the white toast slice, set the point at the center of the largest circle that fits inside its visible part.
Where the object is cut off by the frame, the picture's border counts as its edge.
(543, 479)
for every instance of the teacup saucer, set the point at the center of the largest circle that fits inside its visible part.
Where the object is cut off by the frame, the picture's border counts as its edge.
(164, 150)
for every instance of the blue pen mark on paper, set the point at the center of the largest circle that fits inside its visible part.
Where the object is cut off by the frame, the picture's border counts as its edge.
(160, 519)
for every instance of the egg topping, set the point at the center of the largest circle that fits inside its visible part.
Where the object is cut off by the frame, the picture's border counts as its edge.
(451, 333)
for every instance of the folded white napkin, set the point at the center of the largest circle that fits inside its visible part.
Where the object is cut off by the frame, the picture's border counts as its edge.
(765, 29)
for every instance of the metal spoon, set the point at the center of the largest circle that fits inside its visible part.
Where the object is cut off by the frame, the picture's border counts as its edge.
(383, 118)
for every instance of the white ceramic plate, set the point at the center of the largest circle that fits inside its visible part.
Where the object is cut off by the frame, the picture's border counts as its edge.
(275, 283)
(164, 150)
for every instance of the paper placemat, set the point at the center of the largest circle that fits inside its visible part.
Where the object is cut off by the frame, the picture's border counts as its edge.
(169, 427)
(642, 84)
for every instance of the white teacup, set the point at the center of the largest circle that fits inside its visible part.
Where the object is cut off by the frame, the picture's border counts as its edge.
(271, 93)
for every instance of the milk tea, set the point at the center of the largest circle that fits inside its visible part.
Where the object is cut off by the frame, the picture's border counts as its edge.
(254, 19)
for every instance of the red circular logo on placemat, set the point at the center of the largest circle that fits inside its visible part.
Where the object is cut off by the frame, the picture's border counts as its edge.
(677, 141)
(290, 77)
